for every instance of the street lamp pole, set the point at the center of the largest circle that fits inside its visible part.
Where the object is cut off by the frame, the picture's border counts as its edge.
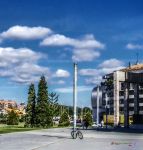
(106, 110)
(97, 117)
(74, 95)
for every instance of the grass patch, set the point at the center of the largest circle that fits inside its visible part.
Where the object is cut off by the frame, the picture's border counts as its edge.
(14, 128)
(20, 128)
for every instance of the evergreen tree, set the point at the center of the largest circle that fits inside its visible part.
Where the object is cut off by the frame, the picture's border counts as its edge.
(30, 109)
(88, 118)
(3, 118)
(12, 118)
(43, 115)
(64, 120)
(54, 106)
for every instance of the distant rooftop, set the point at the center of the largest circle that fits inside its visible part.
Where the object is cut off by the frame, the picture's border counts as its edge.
(136, 67)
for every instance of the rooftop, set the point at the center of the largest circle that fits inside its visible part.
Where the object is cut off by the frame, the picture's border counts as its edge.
(137, 67)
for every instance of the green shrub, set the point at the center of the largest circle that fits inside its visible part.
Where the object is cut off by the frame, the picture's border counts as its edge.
(64, 120)
(12, 118)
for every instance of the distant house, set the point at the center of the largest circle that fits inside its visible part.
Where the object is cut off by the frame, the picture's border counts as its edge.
(8, 105)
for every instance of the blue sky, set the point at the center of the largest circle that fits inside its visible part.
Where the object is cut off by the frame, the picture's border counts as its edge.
(47, 36)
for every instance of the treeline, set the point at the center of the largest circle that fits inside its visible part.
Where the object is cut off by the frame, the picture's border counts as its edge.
(40, 109)
(43, 109)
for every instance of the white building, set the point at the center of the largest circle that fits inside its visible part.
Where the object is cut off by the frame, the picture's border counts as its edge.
(122, 93)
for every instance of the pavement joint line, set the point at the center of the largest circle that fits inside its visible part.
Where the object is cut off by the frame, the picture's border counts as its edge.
(36, 148)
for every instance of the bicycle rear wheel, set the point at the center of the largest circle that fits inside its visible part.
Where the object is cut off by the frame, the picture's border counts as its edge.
(80, 135)
(74, 134)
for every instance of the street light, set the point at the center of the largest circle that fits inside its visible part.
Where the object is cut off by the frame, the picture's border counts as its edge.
(97, 117)
(74, 96)
(106, 109)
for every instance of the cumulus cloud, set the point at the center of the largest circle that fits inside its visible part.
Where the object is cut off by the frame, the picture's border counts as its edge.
(134, 46)
(59, 82)
(95, 75)
(111, 63)
(25, 32)
(93, 80)
(60, 73)
(84, 49)
(84, 55)
(10, 56)
(88, 72)
(70, 89)
(87, 41)
(20, 65)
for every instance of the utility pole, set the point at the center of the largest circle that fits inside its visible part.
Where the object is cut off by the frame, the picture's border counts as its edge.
(74, 95)
(82, 113)
(97, 121)
(106, 109)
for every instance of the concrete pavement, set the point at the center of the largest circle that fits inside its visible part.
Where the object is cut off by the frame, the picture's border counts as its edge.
(60, 139)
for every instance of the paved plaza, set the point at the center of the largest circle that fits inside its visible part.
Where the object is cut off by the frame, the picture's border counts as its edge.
(60, 139)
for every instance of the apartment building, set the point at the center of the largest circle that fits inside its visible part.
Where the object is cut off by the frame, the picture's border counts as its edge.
(7, 104)
(122, 93)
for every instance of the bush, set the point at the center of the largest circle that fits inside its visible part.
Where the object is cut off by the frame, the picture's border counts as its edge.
(3, 118)
(88, 118)
(12, 118)
(64, 120)
(22, 118)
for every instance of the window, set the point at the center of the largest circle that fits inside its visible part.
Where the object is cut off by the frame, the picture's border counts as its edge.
(141, 100)
(131, 100)
(131, 86)
(131, 108)
(121, 85)
(141, 108)
(121, 101)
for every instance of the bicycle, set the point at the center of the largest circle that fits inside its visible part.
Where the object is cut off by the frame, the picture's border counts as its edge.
(76, 133)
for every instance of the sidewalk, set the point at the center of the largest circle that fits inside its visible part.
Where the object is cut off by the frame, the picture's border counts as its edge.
(120, 129)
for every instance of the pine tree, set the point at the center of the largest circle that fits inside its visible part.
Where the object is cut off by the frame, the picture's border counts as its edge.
(30, 109)
(54, 107)
(43, 116)
(64, 120)
(12, 118)
(88, 118)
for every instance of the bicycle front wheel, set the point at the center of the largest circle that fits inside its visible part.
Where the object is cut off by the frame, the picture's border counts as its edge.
(74, 134)
(80, 135)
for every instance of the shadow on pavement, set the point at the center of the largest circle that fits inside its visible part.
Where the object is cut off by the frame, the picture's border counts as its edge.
(59, 137)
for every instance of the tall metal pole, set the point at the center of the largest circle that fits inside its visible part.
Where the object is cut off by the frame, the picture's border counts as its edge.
(74, 95)
(106, 109)
(97, 105)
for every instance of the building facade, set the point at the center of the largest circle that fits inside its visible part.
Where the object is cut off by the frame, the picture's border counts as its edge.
(8, 105)
(96, 103)
(122, 94)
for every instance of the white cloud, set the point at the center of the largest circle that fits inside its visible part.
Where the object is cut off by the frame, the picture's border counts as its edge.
(88, 72)
(61, 73)
(59, 82)
(20, 65)
(70, 89)
(84, 55)
(10, 56)
(95, 75)
(57, 40)
(111, 63)
(25, 32)
(31, 68)
(93, 80)
(88, 41)
(84, 49)
(134, 46)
